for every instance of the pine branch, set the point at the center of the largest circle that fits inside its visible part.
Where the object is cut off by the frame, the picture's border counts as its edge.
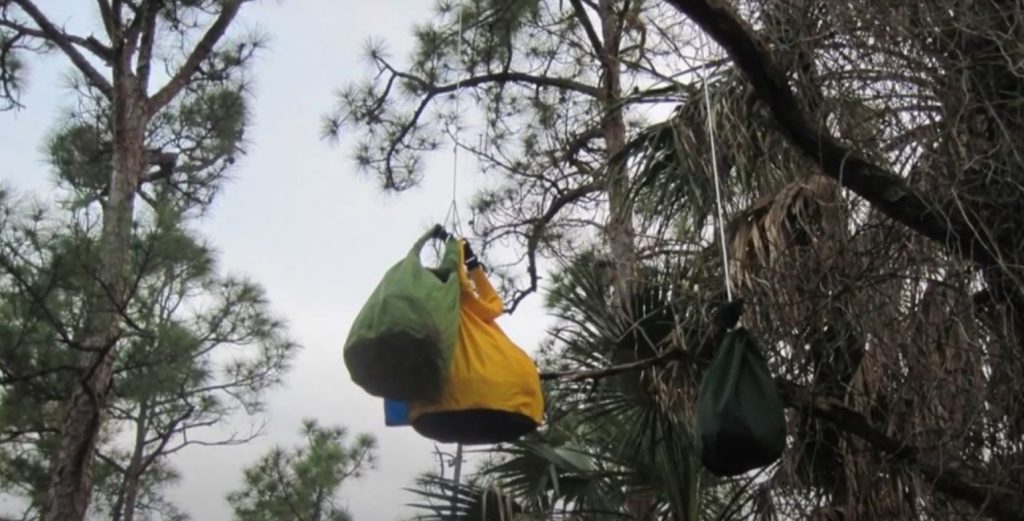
(430, 91)
(11, 435)
(8, 266)
(9, 379)
(165, 438)
(537, 227)
(200, 53)
(66, 43)
(513, 77)
(91, 44)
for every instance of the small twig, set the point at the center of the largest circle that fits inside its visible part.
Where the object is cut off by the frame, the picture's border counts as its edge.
(537, 227)
(597, 374)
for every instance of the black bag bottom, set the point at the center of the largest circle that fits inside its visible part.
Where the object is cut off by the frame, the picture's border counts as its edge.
(732, 454)
(397, 366)
(474, 426)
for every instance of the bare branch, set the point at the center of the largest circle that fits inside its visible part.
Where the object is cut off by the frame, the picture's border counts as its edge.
(144, 63)
(515, 77)
(537, 227)
(165, 439)
(91, 44)
(109, 21)
(64, 41)
(595, 40)
(431, 91)
(110, 461)
(234, 439)
(201, 51)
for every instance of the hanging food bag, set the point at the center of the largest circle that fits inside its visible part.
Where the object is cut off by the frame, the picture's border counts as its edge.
(740, 421)
(400, 345)
(493, 391)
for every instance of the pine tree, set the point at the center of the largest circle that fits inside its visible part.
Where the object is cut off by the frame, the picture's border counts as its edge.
(203, 346)
(302, 483)
(166, 144)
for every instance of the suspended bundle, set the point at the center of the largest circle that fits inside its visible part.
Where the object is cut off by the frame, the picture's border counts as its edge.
(400, 345)
(741, 424)
(492, 393)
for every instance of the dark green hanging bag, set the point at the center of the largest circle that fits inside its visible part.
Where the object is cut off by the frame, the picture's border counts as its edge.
(400, 345)
(740, 420)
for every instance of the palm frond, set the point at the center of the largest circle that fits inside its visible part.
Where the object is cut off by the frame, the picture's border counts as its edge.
(441, 499)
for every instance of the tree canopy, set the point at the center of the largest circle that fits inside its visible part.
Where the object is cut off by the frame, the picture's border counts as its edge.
(851, 171)
(302, 483)
(868, 156)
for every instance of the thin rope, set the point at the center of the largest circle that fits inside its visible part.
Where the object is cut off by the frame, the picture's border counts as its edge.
(457, 478)
(452, 218)
(718, 188)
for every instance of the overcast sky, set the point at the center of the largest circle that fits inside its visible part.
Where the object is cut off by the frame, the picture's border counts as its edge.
(298, 219)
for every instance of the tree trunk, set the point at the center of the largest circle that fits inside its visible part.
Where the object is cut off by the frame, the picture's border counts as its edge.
(72, 480)
(133, 473)
(619, 231)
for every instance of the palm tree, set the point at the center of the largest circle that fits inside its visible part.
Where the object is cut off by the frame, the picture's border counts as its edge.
(868, 156)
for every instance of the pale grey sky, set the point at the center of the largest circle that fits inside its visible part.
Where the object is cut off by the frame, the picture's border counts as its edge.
(298, 219)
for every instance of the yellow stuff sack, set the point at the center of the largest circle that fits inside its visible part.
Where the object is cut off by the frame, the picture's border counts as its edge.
(492, 394)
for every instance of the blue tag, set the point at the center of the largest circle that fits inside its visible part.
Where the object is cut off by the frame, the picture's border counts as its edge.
(396, 414)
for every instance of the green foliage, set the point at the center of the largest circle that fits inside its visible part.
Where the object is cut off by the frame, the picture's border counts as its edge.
(200, 347)
(302, 483)
(151, 501)
(81, 156)
(444, 500)
(12, 67)
(192, 145)
(219, 114)
(189, 346)
(205, 132)
(405, 111)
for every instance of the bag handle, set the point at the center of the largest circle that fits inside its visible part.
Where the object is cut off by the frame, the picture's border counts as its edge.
(436, 232)
(449, 261)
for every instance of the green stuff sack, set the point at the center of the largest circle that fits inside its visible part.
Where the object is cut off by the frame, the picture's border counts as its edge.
(740, 420)
(400, 345)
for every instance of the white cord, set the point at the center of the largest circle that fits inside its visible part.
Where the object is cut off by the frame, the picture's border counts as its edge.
(453, 209)
(714, 169)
